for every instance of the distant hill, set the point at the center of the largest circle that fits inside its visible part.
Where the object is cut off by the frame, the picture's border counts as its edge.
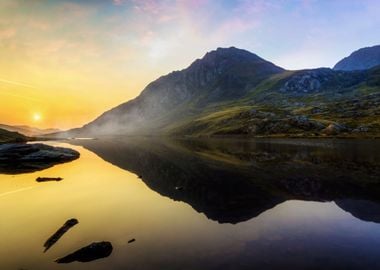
(362, 59)
(234, 92)
(10, 137)
(29, 131)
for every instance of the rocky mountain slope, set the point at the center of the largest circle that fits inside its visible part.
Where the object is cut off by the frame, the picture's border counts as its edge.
(234, 92)
(362, 59)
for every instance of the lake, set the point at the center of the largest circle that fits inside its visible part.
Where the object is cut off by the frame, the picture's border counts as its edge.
(199, 204)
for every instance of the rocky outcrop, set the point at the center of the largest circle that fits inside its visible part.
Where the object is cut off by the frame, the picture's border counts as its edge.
(334, 129)
(21, 157)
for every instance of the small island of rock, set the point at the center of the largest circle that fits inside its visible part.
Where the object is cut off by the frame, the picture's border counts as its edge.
(22, 157)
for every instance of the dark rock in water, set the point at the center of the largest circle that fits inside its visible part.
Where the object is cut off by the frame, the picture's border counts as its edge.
(132, 240)
(22, 158)
(89, 253)
(61, 231)
(47, 179)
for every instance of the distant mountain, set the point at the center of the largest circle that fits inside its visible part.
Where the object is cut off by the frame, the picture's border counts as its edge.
(362, 59)
(220, 76)
(29, 131)
(234, 92)
(10, 137)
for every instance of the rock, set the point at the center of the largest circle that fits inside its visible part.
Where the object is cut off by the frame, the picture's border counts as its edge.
(360, 129)
(59, 233)
(303, 122)
(21, 157)
(334, 129)
(89, 253)
(132, 240)
(47, 179)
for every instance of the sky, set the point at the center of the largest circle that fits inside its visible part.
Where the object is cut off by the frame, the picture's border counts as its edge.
(63, 63)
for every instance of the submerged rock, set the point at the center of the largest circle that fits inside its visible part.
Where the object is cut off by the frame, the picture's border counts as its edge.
(89, 253)
(60, 232)
(21, 157)
(47, 179)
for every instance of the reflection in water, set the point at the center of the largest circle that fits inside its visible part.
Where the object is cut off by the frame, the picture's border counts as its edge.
(59, 233)
(235, 180)
(362, 209)
(265, 205)
(89, 253)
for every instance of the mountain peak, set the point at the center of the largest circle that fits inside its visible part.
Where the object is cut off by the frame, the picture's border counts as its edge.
(231, 53)
(227, 58)
(364, 58)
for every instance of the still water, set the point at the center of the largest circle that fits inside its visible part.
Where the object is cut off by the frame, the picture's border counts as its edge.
(210, 204)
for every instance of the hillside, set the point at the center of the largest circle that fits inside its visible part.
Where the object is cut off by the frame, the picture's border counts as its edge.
(234, 92)
(362, 59)
(10, 137)
(28, 131)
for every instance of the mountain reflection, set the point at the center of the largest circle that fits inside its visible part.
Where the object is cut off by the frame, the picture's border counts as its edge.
(231, 181)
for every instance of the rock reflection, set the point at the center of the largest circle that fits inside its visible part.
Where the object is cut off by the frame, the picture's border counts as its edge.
(231, 181)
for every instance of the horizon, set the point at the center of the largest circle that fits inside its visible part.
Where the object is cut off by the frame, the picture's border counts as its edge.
(64, 71)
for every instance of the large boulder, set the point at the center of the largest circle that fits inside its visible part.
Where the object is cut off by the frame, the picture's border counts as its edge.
(22, 157)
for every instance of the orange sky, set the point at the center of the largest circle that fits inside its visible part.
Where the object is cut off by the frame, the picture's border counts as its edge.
(68, 61)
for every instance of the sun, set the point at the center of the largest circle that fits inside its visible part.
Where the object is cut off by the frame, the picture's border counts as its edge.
(37, 117)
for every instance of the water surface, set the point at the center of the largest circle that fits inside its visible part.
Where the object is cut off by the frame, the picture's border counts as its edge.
(206, 204)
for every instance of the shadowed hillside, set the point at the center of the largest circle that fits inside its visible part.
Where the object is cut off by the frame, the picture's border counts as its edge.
(10, 137)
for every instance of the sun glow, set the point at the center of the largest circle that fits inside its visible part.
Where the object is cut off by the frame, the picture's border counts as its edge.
(37, 117)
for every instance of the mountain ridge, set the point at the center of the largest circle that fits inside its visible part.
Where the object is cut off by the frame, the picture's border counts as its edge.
(27, 130)
(234, 92)
(362, 59)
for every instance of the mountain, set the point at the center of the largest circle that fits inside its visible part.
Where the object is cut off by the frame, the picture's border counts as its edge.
(234, 92)
(362, 59)
(29, 131)
(10, 137)
(220, 76)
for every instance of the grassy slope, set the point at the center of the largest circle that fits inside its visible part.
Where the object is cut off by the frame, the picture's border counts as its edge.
(263, 111)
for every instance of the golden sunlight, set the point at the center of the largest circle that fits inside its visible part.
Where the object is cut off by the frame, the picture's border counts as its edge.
(37, 117)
